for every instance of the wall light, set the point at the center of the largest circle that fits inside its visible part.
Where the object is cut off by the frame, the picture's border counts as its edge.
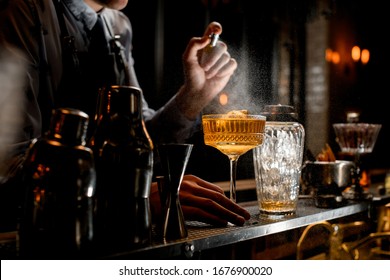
(332, 56)
(335, 57)
(365, 56)
(355, 53)
(362, 55)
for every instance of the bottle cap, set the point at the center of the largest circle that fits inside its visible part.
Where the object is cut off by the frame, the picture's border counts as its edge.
(68, 126)
(281, 113)
(125, 99)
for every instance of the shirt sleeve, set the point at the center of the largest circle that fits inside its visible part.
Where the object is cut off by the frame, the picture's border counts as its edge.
(18, 35)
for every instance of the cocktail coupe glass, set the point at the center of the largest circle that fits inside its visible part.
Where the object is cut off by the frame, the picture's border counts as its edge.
(356, 139)
(233, 135)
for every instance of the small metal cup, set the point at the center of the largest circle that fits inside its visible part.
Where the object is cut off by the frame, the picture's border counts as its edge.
(327, 179)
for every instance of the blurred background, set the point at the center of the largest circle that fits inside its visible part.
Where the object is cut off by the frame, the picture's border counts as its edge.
(294, 52)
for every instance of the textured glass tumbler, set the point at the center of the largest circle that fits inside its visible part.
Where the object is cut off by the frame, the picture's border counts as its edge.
(277, 166)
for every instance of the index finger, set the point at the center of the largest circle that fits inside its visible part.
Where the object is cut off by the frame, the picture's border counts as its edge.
(213, 197)
(203, 183)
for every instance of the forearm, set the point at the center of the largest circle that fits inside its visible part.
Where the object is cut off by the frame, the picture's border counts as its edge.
(169, 124)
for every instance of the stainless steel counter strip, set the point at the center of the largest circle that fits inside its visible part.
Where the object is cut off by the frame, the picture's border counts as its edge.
(203, 236)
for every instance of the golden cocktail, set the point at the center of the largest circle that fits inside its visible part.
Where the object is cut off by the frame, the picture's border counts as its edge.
(233, 134)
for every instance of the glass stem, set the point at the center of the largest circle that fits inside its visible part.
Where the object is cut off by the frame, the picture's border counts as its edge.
(233, 172)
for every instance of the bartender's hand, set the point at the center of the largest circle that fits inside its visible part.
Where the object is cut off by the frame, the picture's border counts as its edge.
(203, 201)
(205, 77)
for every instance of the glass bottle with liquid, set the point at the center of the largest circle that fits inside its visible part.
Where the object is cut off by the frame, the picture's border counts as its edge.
(59, 179)
(123, 153)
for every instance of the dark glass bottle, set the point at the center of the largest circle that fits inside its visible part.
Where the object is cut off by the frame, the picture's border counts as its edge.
(59, 179)
(124, 163)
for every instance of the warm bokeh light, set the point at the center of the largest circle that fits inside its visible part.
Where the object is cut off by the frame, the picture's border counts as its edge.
(328, 54)
(355, 53)
(332, 56)
(364, 179)
(365, 57)
(335, 57)
(223, 99)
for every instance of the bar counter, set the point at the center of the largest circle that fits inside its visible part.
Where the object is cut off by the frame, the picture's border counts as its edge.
(202, 236)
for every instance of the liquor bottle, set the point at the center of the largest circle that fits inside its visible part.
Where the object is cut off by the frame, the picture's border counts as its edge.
(59, 180)
(123, 152)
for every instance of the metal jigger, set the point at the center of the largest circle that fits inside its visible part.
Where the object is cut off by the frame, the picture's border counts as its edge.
(174, 159)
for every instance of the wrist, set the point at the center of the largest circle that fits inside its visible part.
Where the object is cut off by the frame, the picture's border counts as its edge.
(188, 103)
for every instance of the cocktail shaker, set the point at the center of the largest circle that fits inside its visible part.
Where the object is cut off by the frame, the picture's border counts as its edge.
(59, 180)
(278, 161)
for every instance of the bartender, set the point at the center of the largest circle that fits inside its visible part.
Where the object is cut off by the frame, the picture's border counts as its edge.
(56, 40)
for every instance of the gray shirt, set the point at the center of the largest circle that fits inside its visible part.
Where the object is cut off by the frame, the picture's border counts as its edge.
(32, 27)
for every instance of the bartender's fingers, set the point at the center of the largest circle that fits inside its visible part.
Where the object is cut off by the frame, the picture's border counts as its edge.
(223, 66)
(211, 200)
(198, 43)
(192, 179)
(203, 189)
(215, 57)
(196, 214)
(204, 208)
(195, 45)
